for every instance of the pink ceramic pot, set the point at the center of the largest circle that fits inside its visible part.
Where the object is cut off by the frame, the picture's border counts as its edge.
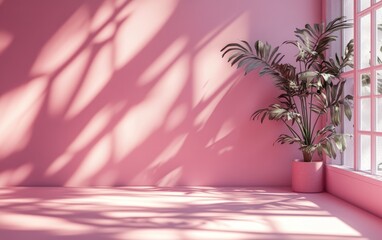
(307, 177)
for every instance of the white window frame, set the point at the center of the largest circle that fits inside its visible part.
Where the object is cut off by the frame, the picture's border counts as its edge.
(355, 74)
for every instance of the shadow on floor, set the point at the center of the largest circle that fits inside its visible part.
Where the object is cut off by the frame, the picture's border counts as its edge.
(179, 213)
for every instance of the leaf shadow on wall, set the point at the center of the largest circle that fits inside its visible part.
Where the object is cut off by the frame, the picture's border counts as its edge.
(109, 98)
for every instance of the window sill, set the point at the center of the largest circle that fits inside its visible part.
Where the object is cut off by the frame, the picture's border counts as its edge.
(359, 188)
(361, 176)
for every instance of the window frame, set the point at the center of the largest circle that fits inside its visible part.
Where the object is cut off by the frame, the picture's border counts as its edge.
(355, 74)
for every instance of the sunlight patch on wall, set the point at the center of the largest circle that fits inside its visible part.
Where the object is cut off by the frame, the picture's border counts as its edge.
(147, 19)
(103, 22)
(4, 177)
(105, 34)
(210, 106)
(20, 174)
(108, 177)
(206, 84)
(226, 128)
(130, 133)
(169, 152)
(59, 163)
(176, 117)
(164, 61)
(171, 179)
(65, 84)
(104, 15)
(19, 109)
(90, 132)
(95, 126)
(145, 118)
(15, 176)
(164, 94)
(93, 162)
(60, 48)
(208, 90)
(225, 150)
(98, 76)
(6, 40)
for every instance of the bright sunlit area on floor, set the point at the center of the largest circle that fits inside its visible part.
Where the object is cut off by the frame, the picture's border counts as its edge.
(180, 213)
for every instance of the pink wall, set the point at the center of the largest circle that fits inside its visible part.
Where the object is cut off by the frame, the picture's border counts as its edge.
(136, 93)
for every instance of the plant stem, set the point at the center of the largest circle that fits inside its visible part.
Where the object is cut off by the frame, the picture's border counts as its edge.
(314, 126)
(292, 130)
(307, 156)
(300, 66)
(310, 113)
(304, 118)
(300, 113)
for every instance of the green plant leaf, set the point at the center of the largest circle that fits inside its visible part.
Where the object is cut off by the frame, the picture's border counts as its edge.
(284, 138)
(327, 129)
(347, 109)
(335, 115)
(340, 142)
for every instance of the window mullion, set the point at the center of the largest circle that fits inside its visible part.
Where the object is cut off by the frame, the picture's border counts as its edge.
(356, 86)
(372, 90)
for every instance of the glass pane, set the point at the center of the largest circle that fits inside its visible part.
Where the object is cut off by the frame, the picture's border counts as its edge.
(365, 114)
(364, 4)
(378, 114)
(348, 33)
(365, 153)
(365, 41)
(348, 12)
(378, 154)
(378, 83)
(365, 84)
(378, 35)
(348, 128)
(348, 155)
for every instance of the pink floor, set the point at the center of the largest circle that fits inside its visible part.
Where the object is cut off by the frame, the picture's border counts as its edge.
(180, 213)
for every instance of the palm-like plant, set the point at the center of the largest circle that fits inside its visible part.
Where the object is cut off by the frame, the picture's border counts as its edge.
(309, 91)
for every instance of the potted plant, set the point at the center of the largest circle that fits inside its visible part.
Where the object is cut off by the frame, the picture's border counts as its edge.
(311, 89)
